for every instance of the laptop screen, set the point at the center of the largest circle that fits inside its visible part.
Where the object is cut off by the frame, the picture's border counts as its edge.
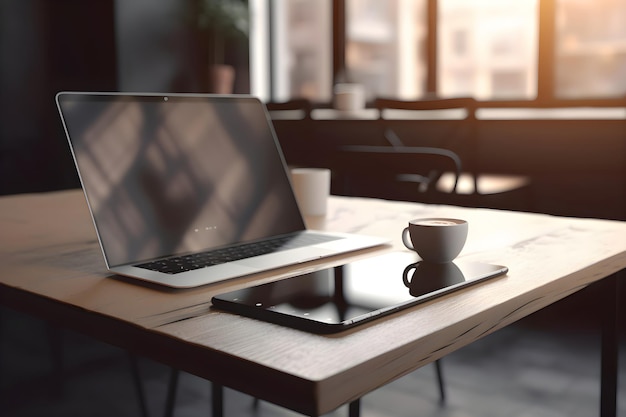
(178, 174)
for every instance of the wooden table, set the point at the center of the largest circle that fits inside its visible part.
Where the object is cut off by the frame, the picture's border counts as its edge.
(52, 268)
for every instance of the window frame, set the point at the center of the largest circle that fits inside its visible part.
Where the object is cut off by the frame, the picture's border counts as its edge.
(546, 84)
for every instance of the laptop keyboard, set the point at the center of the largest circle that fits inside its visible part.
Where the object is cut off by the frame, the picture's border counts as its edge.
(193, 261)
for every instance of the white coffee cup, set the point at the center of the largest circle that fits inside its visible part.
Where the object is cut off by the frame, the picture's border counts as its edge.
(349, 97)
(436, 239)
(312, 188)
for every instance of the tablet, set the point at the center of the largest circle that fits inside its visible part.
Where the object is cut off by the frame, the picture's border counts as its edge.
(337, 298)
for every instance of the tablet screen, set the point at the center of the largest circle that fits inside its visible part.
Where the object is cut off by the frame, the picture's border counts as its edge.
(337, 298)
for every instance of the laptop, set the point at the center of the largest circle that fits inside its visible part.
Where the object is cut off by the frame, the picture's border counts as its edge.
(189, 189)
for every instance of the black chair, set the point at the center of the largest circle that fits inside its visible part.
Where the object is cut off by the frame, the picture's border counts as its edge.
(294, 109)
(456, 133)
(451, 123)
(408, 173)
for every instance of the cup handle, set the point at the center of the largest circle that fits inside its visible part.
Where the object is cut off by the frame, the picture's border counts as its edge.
(405, 240)
(405, 275)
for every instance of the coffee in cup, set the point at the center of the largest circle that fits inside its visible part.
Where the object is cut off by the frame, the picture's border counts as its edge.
(436, 240)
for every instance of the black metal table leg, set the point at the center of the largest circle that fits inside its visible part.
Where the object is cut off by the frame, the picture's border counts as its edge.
(141, 395)
(171, 392)
(217, 400)
(354, 408)
(610, 345)
(442, 388)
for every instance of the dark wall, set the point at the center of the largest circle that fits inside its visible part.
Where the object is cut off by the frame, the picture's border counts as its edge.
(576, 167)
(47, 47)
(159, 50)
(98, 45)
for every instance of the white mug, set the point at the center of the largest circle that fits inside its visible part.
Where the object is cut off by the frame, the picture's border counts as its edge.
(312, 188)
(436, 240)
(349, 96)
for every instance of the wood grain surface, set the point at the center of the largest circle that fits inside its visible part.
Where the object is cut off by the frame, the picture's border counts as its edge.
(52, 268)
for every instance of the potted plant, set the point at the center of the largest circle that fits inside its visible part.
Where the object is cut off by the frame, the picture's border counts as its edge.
(223, 23)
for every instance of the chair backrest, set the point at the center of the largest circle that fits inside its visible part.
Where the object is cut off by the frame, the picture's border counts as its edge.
(452, 123)
(294, 109)
(439, 122)
(427, 104)
(379, 171)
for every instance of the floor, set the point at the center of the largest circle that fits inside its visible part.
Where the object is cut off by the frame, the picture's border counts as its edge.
(546, 365)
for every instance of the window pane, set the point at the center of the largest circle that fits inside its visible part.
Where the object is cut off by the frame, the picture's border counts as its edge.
(487, 49)
(302, 46)
(590, 48)
(384, 46)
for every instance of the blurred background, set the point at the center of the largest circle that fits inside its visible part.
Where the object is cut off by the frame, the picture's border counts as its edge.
(529, 52)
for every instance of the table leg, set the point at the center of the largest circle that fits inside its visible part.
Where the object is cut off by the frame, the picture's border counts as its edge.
(217, 400)
(354, 408)
(134, 368)
(442, 388)
(610, 345)
(170, 402)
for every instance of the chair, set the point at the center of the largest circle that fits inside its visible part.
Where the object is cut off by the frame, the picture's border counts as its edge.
(451, 123)
(407, 173)
(294, 109)
(456, 133)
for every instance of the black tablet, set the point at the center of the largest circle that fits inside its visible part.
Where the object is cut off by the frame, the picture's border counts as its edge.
(335, 299)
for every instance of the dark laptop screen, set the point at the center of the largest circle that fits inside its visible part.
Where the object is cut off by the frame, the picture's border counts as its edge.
(177, 174)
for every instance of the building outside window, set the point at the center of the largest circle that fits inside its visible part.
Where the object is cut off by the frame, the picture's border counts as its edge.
(302, 49)
(590, 48)
(487, 49)
(484, 48)
(385, 47)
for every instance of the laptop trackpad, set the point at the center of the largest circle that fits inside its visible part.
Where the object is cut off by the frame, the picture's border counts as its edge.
(294, 256)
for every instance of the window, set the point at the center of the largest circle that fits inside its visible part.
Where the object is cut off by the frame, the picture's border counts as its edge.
(590, 48)
(301, 45)
(384, 41)
(487, 49)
